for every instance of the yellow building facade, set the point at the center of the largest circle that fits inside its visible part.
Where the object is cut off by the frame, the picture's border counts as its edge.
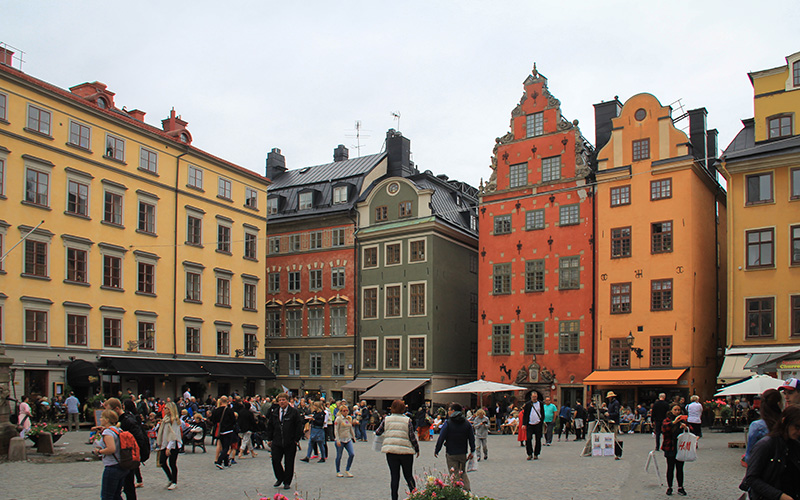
(762, 168)
(137, 252)
(658, 279)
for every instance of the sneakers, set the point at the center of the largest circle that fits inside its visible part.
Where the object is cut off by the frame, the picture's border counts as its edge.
(304, 459)
(339, 474)
(314, 456)
(681, 491)
(233, 461)
(347, 473)
(321, 461)
(172, 486)
(530, 457)
(219, 466)
(277, 484)
(669, 491)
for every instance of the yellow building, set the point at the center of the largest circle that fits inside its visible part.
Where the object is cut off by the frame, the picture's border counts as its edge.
(658, 276)
(762, 168)
(138, 252)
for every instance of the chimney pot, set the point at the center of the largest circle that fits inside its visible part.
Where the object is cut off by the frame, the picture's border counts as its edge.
(341, 153)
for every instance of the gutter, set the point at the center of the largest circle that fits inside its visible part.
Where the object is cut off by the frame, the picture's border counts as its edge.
(175, 261)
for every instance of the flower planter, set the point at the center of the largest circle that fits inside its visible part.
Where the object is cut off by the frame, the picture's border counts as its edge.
(35, 439)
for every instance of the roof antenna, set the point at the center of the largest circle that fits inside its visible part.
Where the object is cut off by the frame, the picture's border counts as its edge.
(396, 115)
(358, 137)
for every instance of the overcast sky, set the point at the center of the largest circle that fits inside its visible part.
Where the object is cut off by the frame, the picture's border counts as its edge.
(250, 76)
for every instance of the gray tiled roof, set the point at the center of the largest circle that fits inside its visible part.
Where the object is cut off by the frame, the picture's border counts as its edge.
(326, 173)
(744, 144)
(443, 200)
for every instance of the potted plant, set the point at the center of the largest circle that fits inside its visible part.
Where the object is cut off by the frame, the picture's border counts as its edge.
(56, 430)
(440, 487)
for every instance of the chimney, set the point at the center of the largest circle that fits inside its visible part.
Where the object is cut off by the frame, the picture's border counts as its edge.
(604, 112)
(341, 153)
(276, 163)
(697, 133)
(711, 143)
(399, 150)
(6, 56)
(137, 114)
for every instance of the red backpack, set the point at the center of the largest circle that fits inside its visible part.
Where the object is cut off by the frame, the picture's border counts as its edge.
(128, 450)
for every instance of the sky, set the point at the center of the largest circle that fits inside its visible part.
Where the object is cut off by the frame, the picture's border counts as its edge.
(249, 76)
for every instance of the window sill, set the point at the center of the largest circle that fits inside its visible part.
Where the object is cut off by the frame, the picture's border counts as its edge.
(35, 277)
(247, 309)
(225, 306)
(759, 203)
(534, 291)
(224, 198)
(112, 224)
(760, 268)
(78, 283)
(115, 160)
(111, 288)
(4, 121)
(3, 197)
(251, 259)
(223, 252)
(195, 188)
(79, 216)
(146, 294)
(192, 301)
(36, 205)
(147, 233)
(36, 132)
(196, 245)
(254, 209)
(79, 148)
(154, 174)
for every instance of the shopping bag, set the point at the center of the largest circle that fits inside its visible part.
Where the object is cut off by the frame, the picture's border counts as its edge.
(377, 443)
(472, 465)
(687, 447)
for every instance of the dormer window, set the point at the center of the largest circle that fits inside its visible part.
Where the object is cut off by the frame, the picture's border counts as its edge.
(339, 195)
(779, 126)
(184, 137)
(305, 200)
(101, 103)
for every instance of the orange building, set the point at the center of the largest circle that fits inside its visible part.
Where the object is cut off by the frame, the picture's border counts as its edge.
(660, 237)
(535, 268)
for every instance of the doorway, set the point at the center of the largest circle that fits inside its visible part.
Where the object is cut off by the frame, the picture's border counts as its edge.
(569, 395)
(36, 383)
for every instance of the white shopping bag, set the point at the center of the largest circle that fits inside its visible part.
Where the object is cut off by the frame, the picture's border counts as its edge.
(687, 447)
(472, 465)
(377, 443)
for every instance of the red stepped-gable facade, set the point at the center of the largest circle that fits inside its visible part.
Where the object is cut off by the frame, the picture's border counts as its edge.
(536, 259)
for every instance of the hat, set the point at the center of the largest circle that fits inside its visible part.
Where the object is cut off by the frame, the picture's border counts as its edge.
(610, 394)
(790, 385)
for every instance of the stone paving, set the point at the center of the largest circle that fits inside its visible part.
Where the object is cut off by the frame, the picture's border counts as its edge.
(560, 474)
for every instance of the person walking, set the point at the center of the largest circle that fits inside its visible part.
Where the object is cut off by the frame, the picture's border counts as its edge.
(316, 438)
(344, 435)
(284, 431)
(400, 445)
(73, 411)
(580, 421)
(480, 424)
(770, 417)
(533, 419)
(694, 410)
(366, 415)
(658, 414)
(223, 421)
(24, 416)
(549, 420)
(456, 433)
(772, 468)
(169, 442)
(564, 421)
(108, 450)
(247, 424)
(671, 428)
(128, 422)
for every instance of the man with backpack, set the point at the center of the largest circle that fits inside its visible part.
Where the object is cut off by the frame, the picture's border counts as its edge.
(128, 422)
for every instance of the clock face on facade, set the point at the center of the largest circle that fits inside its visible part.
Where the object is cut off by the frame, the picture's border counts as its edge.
(393, 188)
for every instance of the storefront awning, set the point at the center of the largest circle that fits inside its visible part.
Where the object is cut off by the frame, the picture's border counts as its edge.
(150, 366)
(236, 369)
(733, 369)
(393, 388)
(634, 377)
(360, 384)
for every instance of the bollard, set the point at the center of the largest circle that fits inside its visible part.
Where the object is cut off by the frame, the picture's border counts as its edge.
(16, 450)
(45, 443)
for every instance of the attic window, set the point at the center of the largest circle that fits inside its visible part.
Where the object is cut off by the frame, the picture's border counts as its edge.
(339, 194)
(305, 200)
(184, 137)
(101, 103)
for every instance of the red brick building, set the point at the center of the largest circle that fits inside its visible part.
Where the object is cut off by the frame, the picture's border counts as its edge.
(536, 260)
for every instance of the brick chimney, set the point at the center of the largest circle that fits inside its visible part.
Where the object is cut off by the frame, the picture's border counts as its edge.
(341, 153)
(6, 56)
(136, 114)
(276, 163)
(175, 127)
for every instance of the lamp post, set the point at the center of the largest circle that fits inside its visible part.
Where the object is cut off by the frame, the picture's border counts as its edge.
(638, 350)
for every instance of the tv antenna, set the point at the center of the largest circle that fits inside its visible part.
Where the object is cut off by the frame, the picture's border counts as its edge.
(683, 114)
(358, 137)
(396, 115)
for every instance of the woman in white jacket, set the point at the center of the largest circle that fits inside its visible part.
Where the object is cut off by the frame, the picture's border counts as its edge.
(168, 442)
(400, 445)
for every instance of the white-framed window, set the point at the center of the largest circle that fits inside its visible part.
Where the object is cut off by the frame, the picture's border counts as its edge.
(315, 240)
(393, 254)
(339, 195)
(272, 205)
(274, 244)
(112, 257)
(195, 177)
(305, 200)
(250, 197)
(337, 237)
(36, 314)
(416, 352)
(37, 186)
(223, 290)
(223, 341)
(148, 160)
(417, 298)
(369, 353)
(337, 278)
(393, 306)
(315, 364)
(316, 321)
(224, 188)
(391, 353)
(147, 215)
(194, 282)
(250, 302)
(338, 320)
(194, 228)
(146, 272)
(274, 282)
(294, 363)
(250, 245)
(369, 309)
(416, 250)
(518, 175)
(39, 119)
(273, 322)
(193, 337)
(370, 257)
(115, 147)
(294, 322)
(80, 135)
(77, 258)
(337, 364)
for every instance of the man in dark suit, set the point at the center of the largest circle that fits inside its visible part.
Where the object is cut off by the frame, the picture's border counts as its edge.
(657, 416)
(284, 431)
(532, 418)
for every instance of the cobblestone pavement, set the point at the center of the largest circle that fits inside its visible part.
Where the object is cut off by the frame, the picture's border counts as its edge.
(560, 474)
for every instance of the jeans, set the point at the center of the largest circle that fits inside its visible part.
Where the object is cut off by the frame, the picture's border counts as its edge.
(113, 479)
(170, 465)
(548, 433)
(396, 461)
(351, 454)
(73, 420)
(363, 426)
(317, 436)
(357, 430)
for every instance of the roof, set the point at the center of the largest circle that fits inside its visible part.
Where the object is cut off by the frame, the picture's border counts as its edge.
(329, 172)
(744, 145)
(443, 201)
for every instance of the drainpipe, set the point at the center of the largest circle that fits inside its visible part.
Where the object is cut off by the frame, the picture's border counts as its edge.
(356, 281)
(175, 260)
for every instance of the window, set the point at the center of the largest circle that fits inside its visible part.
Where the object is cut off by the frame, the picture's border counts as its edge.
(569, 273)
(660, 189)
(223, 291)
(795, 76)
(275, 244)
(381, 213)
(194, 230)
(337, 364)
(501, 339)
(337, 237)
(371, 257)
(620, 242)
(661, 295)
(759, 188)
(223, 238)
(620, 196)
(112, 271)
(272, 206)
(568, 215)
(3, 107)
(315, 365)
(36, 326)
(195, 177)
(661, 351)
(250, 246)
(250, 294)
(274, 323)
(273, 361)
(416, 353)
(551, 169)
(661, 237)
(518, 175)
(147, 217)
(641, 149)
(392, 253)
(112, 208)
(192, 339)
(779, 126)
(77, 327)
(370, 303)
(77, 265)
(112, 332)
(338, 320)
(760, 248)
(146, 336)
(35, 258)
(250, 197)
(534, 275)
(473, 263)
(795, 316)
(502, 279)
(405, 209)
(534, 338)
(38, 120)
(370, 354)
(79, 134)
(2, 177)
(305, 200)
(794, 233)
(146, 282)
(224, 189)
(148, 160)
(620, 353)
(316, 321)
(337, 278)
(37, 187)
(315, 240)
(78, 198)
(192, 286)
(115, 148)
(315, 279)
(473, 307)
(502, 224)
(417, 299)
(294, 243)
(274, 282)
(2, 268)
(534, 124)
(393, 301)
(568, 335)
(620, 298)
(760, 317)
(294, 281)
(392, 354)
(294, 363)
(534, 219)
(339, 195)
(223, 343)
(794, 175)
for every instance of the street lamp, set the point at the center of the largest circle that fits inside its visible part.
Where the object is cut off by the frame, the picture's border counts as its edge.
(638, 350)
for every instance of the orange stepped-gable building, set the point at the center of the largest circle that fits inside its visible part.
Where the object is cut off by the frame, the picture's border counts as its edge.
(660, 251)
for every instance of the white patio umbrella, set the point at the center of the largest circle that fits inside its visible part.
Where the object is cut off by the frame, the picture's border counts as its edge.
(756, 384)
(480, 387)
